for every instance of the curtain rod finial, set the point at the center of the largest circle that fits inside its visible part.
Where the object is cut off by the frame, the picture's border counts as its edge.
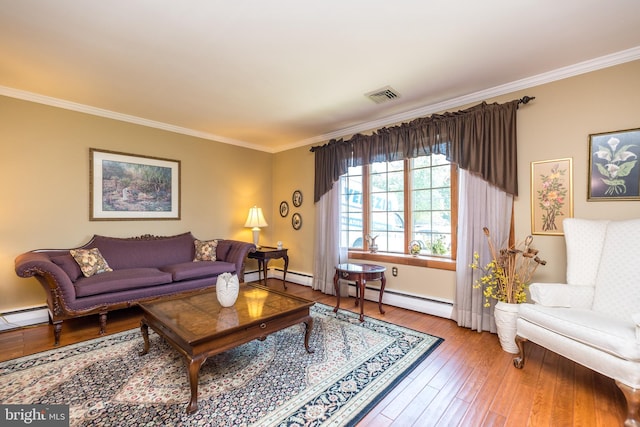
(526, 99)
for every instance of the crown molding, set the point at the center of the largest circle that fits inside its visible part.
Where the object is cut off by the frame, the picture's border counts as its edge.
(100, 112)
(555, 75)
(526, 83)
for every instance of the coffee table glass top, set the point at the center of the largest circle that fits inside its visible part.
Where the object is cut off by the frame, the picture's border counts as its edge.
(199, 316)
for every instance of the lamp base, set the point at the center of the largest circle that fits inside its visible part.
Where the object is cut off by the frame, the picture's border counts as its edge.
(256, 235)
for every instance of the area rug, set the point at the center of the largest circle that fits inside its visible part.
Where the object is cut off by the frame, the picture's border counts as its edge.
(274, 382)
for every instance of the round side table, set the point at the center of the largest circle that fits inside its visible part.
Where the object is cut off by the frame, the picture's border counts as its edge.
(359, 273)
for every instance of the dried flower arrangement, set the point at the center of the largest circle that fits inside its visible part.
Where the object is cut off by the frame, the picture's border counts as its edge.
(506, 277)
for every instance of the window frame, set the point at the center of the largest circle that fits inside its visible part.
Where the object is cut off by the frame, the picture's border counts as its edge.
(430, 261)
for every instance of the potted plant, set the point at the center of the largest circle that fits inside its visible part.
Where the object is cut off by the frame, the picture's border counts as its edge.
(505, 279)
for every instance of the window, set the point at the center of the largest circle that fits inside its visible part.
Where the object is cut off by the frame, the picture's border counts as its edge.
(381, 199)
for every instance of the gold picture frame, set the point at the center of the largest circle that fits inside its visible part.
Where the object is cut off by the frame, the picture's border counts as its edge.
(551, 195)
(132, 187)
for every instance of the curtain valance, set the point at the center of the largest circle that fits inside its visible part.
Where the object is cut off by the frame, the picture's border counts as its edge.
(480, 139)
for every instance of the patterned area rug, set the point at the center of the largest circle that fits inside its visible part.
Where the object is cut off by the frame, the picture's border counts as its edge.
(274, 382)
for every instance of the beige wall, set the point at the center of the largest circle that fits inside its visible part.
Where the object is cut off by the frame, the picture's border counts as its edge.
(293, 170)
(555, 125)
(44, 170)
(45, 166)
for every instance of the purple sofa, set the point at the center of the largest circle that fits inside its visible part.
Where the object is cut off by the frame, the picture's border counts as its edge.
(144, 268)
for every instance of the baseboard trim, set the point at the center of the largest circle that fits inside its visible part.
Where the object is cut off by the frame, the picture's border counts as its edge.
(417, 303)
(20, 318)
(37, 315)
(277, 273)
(410, 302)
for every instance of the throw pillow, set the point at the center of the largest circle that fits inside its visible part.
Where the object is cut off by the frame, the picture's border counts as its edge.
(90, 261)
(205, 250)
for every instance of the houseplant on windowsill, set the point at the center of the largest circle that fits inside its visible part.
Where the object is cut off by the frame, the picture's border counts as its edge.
(505, 279)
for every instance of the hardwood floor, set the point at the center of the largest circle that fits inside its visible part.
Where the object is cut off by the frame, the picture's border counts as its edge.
(467, 381)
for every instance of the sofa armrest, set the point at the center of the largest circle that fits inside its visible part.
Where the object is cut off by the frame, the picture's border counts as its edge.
(237, 254)
(561, 295)
(53, 279)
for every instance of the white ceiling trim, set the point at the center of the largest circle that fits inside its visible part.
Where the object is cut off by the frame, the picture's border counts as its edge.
(82, 108)
(526, 83)
(559, 74)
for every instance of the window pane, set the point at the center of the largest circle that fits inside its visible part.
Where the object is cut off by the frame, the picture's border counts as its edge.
(378, 182)
(422, 161)
(386, 210)
(421, 178)
(431, 204)
(384, 217)
(441, 198)
(421, 200)
(351, 209)
(439, 159)
(441, 176)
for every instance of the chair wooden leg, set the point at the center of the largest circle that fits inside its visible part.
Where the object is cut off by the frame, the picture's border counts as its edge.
(632, 395)
(518, 361)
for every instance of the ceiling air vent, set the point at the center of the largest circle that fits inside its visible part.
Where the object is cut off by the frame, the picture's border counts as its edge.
(385, 94)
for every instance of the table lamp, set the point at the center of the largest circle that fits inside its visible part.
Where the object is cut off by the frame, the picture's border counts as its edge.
(255, 220)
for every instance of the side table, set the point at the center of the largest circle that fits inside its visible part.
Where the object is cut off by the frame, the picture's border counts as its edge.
(265, 253)
(359, 273)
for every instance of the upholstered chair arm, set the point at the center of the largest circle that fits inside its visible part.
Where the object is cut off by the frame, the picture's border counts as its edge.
(636, 321)
(561, 295)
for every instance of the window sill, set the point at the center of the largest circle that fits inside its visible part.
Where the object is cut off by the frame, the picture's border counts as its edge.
(418, 261)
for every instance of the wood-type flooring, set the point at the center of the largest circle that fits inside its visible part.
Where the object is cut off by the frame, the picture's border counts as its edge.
(467, 381)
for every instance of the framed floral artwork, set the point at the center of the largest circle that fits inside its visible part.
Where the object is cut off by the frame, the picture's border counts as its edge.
(551, 195)
(614, 173)
(132, 187)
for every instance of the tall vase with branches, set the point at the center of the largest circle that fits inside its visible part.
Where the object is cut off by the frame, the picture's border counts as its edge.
(505, 279)
(506, 276)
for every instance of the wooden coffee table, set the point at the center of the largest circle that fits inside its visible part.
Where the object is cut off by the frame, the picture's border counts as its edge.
(199, 327)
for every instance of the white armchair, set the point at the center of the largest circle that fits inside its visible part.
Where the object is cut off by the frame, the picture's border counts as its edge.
(594, 318)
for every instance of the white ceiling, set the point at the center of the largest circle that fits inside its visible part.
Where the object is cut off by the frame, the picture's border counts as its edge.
(276, 74)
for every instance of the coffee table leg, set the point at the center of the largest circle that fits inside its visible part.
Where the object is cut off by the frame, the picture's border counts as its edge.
(144, 328)
(194, 370)
(336, 286)
(309, 326)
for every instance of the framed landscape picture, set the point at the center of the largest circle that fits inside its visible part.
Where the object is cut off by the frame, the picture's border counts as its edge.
(551, 195)
(133, 187)
(614, 173)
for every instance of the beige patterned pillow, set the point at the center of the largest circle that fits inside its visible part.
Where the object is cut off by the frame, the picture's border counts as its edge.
(205, 250)
(90, 261)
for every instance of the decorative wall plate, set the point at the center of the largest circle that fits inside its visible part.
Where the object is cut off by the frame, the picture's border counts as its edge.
(296, 221)
(297, 198)
(284, 209)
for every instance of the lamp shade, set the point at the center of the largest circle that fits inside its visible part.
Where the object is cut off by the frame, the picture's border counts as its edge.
(256, 218)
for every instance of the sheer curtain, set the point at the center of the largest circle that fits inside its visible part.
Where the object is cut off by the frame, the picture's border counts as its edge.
(480, 139)
(327, 250)
(480, 205)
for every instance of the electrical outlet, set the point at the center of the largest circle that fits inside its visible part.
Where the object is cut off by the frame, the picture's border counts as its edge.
(394, 271)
